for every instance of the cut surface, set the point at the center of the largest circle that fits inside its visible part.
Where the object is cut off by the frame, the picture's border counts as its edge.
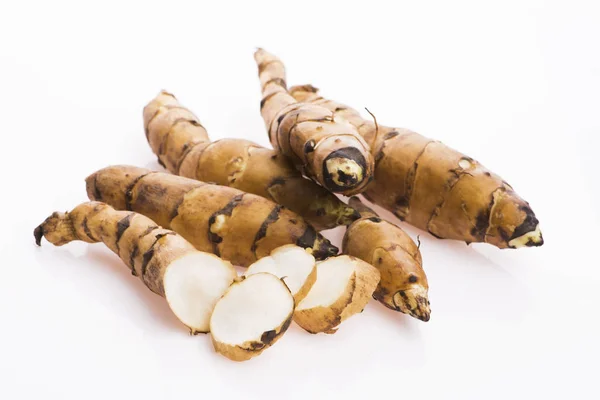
(333, 276)
(344, 286)
(193, 284)
(291, 263)
(251, 316)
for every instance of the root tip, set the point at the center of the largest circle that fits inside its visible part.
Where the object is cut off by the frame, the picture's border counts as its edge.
(38, 233)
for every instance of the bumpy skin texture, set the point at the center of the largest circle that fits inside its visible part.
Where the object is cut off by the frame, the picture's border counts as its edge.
(182, 146)
(237, 226)
(146, 248)
(329, 151)
(403, 286)
(436, 188)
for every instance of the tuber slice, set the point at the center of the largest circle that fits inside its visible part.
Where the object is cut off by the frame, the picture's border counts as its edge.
(343, 288)
(190, 280)
(251, 316)
(291, 263)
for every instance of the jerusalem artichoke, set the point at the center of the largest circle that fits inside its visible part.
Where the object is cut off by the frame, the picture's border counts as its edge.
(328, 150)
(237, 226)
(191, 281)
(403, 285)
(436, 188)
(182, 145)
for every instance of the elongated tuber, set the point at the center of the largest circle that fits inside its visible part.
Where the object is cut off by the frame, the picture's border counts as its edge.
(436, 188)
(343, 288)
(190, 280)
(328, 150)
(237, 226)
(403, 286)
(182, 145)
(251, 316)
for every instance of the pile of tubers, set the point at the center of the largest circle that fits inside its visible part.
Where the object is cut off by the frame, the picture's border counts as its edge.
(263, 209)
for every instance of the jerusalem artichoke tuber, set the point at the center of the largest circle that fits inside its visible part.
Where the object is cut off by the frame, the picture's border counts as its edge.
(191, 281)
(328, 150)
(403, 285)
(182, 145)
(436, 188)
(237, 226)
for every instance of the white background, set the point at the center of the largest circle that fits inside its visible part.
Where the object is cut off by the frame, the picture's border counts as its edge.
(515, 85)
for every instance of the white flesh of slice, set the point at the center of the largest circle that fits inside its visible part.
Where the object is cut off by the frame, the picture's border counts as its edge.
(258, 304)
(333, 275)
(291, 263)
(193, 284)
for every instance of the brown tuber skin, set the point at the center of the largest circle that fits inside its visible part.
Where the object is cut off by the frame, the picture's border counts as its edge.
(329, 151)
(182, 145)
(146, 248)
(436, 188)
(237, 226)
(403, 286)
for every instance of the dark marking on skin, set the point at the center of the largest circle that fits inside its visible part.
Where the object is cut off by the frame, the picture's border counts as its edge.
(122, 226)
(97, 193)
(132, 256)
(403, 201)
(320, 212)
(348, 181)
(187, 151)
(309, 146)
(274, 157)
(227, 210)
(38, 233)
(175, 211)
(286, 324)
(309, 239)
(481, 224)
(129, 191)
(374, 219)
(379, 260)
(338, 109)
(86, 229)
(268, 337)
(390, 135)
(486, 173)
(254, 346)
(434, 235)
(293, 221)
(412, 279)
(266, 98)
(147, 257)
(279, 119)
(279, 81)
(528, 225)
(262, 231)
(148, 230)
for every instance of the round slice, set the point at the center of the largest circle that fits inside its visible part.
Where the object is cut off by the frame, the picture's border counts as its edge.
(251, 316)
(343, 288)
(193, 284)
(291, 263)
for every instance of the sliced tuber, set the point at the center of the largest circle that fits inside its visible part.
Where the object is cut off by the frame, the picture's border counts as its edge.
(251, 316)
(343, 288)
(291, 263)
